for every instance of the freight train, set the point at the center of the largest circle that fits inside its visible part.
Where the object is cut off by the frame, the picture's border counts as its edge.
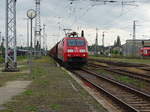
(72, 50)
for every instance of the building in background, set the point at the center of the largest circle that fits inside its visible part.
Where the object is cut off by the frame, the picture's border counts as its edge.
(132, 47)
(116, 49)
(92, 49)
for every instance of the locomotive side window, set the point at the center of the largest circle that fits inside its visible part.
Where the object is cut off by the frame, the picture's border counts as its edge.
(75, 42)
(145, 51)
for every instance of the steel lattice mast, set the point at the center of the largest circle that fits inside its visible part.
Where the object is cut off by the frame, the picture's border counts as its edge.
(10, 37)
(44, 37)
(37, 38)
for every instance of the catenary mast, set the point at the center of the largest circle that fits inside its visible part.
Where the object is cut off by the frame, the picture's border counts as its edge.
(10, 37)
(37, 38)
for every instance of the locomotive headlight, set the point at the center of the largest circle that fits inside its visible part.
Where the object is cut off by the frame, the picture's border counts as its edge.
(82, 50)
(83, 55)
(70, 50)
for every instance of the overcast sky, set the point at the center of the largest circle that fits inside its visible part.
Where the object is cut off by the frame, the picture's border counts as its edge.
(111, 18)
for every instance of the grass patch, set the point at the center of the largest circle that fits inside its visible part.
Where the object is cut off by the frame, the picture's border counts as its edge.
(1, 59)
(129, 80)
(140, 61)
(28, 92)
(31, 108)
(55, 106)
(124, 79)
(21, 58)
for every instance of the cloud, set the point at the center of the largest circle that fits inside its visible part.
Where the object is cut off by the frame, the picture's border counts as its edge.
(84, 15)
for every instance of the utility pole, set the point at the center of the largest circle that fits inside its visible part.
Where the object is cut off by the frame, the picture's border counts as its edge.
(134, 30)
(96, 42)
(103, 42)
(58, 31)
(2, 47)
(134, 39)
(59, 27)
(103, 37)
(0, 37)
(37, 38)
(1, 42)
(10, 37)
(27, 33)
(44, 39)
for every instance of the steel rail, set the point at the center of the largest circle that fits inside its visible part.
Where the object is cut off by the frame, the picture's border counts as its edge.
(139, 76)
(119, 63)
(117, 99)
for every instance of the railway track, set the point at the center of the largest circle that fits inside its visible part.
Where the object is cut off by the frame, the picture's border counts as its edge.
(145, 68)
(131, 100)
(143, 77)
(118, 63)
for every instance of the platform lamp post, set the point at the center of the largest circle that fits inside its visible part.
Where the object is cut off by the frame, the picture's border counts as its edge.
(27, 29)
(31, 14)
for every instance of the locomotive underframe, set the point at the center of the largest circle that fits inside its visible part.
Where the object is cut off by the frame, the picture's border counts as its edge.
(77, 61)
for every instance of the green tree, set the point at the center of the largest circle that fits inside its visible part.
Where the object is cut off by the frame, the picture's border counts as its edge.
(118, 43)
(115, 43)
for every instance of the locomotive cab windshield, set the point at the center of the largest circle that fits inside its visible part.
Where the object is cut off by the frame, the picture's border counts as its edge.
(75, 42)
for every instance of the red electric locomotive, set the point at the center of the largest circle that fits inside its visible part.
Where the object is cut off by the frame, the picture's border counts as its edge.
(145, 51)
(72, 50)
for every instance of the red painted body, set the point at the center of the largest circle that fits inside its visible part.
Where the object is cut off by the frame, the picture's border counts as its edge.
(69, 53)
(145, 51)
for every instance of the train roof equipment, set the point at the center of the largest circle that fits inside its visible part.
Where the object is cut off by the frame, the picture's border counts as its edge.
(75, 34)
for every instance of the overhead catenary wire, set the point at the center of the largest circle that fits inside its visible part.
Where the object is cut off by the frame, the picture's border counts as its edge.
(123, 13)
(86, 11)
(76, 10)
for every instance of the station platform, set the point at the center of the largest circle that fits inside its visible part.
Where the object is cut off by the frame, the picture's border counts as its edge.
(52, 90)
